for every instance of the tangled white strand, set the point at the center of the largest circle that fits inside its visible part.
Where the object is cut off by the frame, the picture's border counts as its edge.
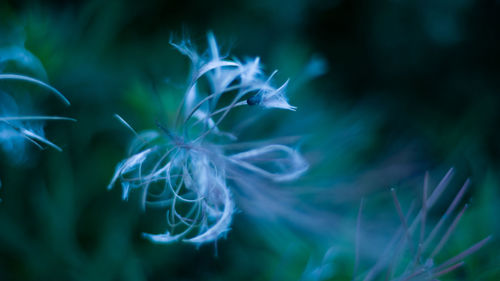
(187, 173)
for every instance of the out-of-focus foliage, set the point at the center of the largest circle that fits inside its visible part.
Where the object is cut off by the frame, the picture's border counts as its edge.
(384, 90)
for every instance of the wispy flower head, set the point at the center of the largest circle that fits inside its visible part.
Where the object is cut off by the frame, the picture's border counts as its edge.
(17, 125)
(189, 169)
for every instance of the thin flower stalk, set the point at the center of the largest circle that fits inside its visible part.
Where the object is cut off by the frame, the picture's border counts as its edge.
(419, 263)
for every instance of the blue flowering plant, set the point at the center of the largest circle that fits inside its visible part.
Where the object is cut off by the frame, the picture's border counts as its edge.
(19, 122)
(190, 169)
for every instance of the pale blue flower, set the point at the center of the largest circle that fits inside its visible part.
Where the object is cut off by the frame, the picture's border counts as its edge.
(192, 171)
(16, 126)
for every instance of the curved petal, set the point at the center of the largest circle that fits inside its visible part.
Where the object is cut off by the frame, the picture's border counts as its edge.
(277, 162)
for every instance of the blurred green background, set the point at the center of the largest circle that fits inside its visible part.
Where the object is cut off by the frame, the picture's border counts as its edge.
(411, 85)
